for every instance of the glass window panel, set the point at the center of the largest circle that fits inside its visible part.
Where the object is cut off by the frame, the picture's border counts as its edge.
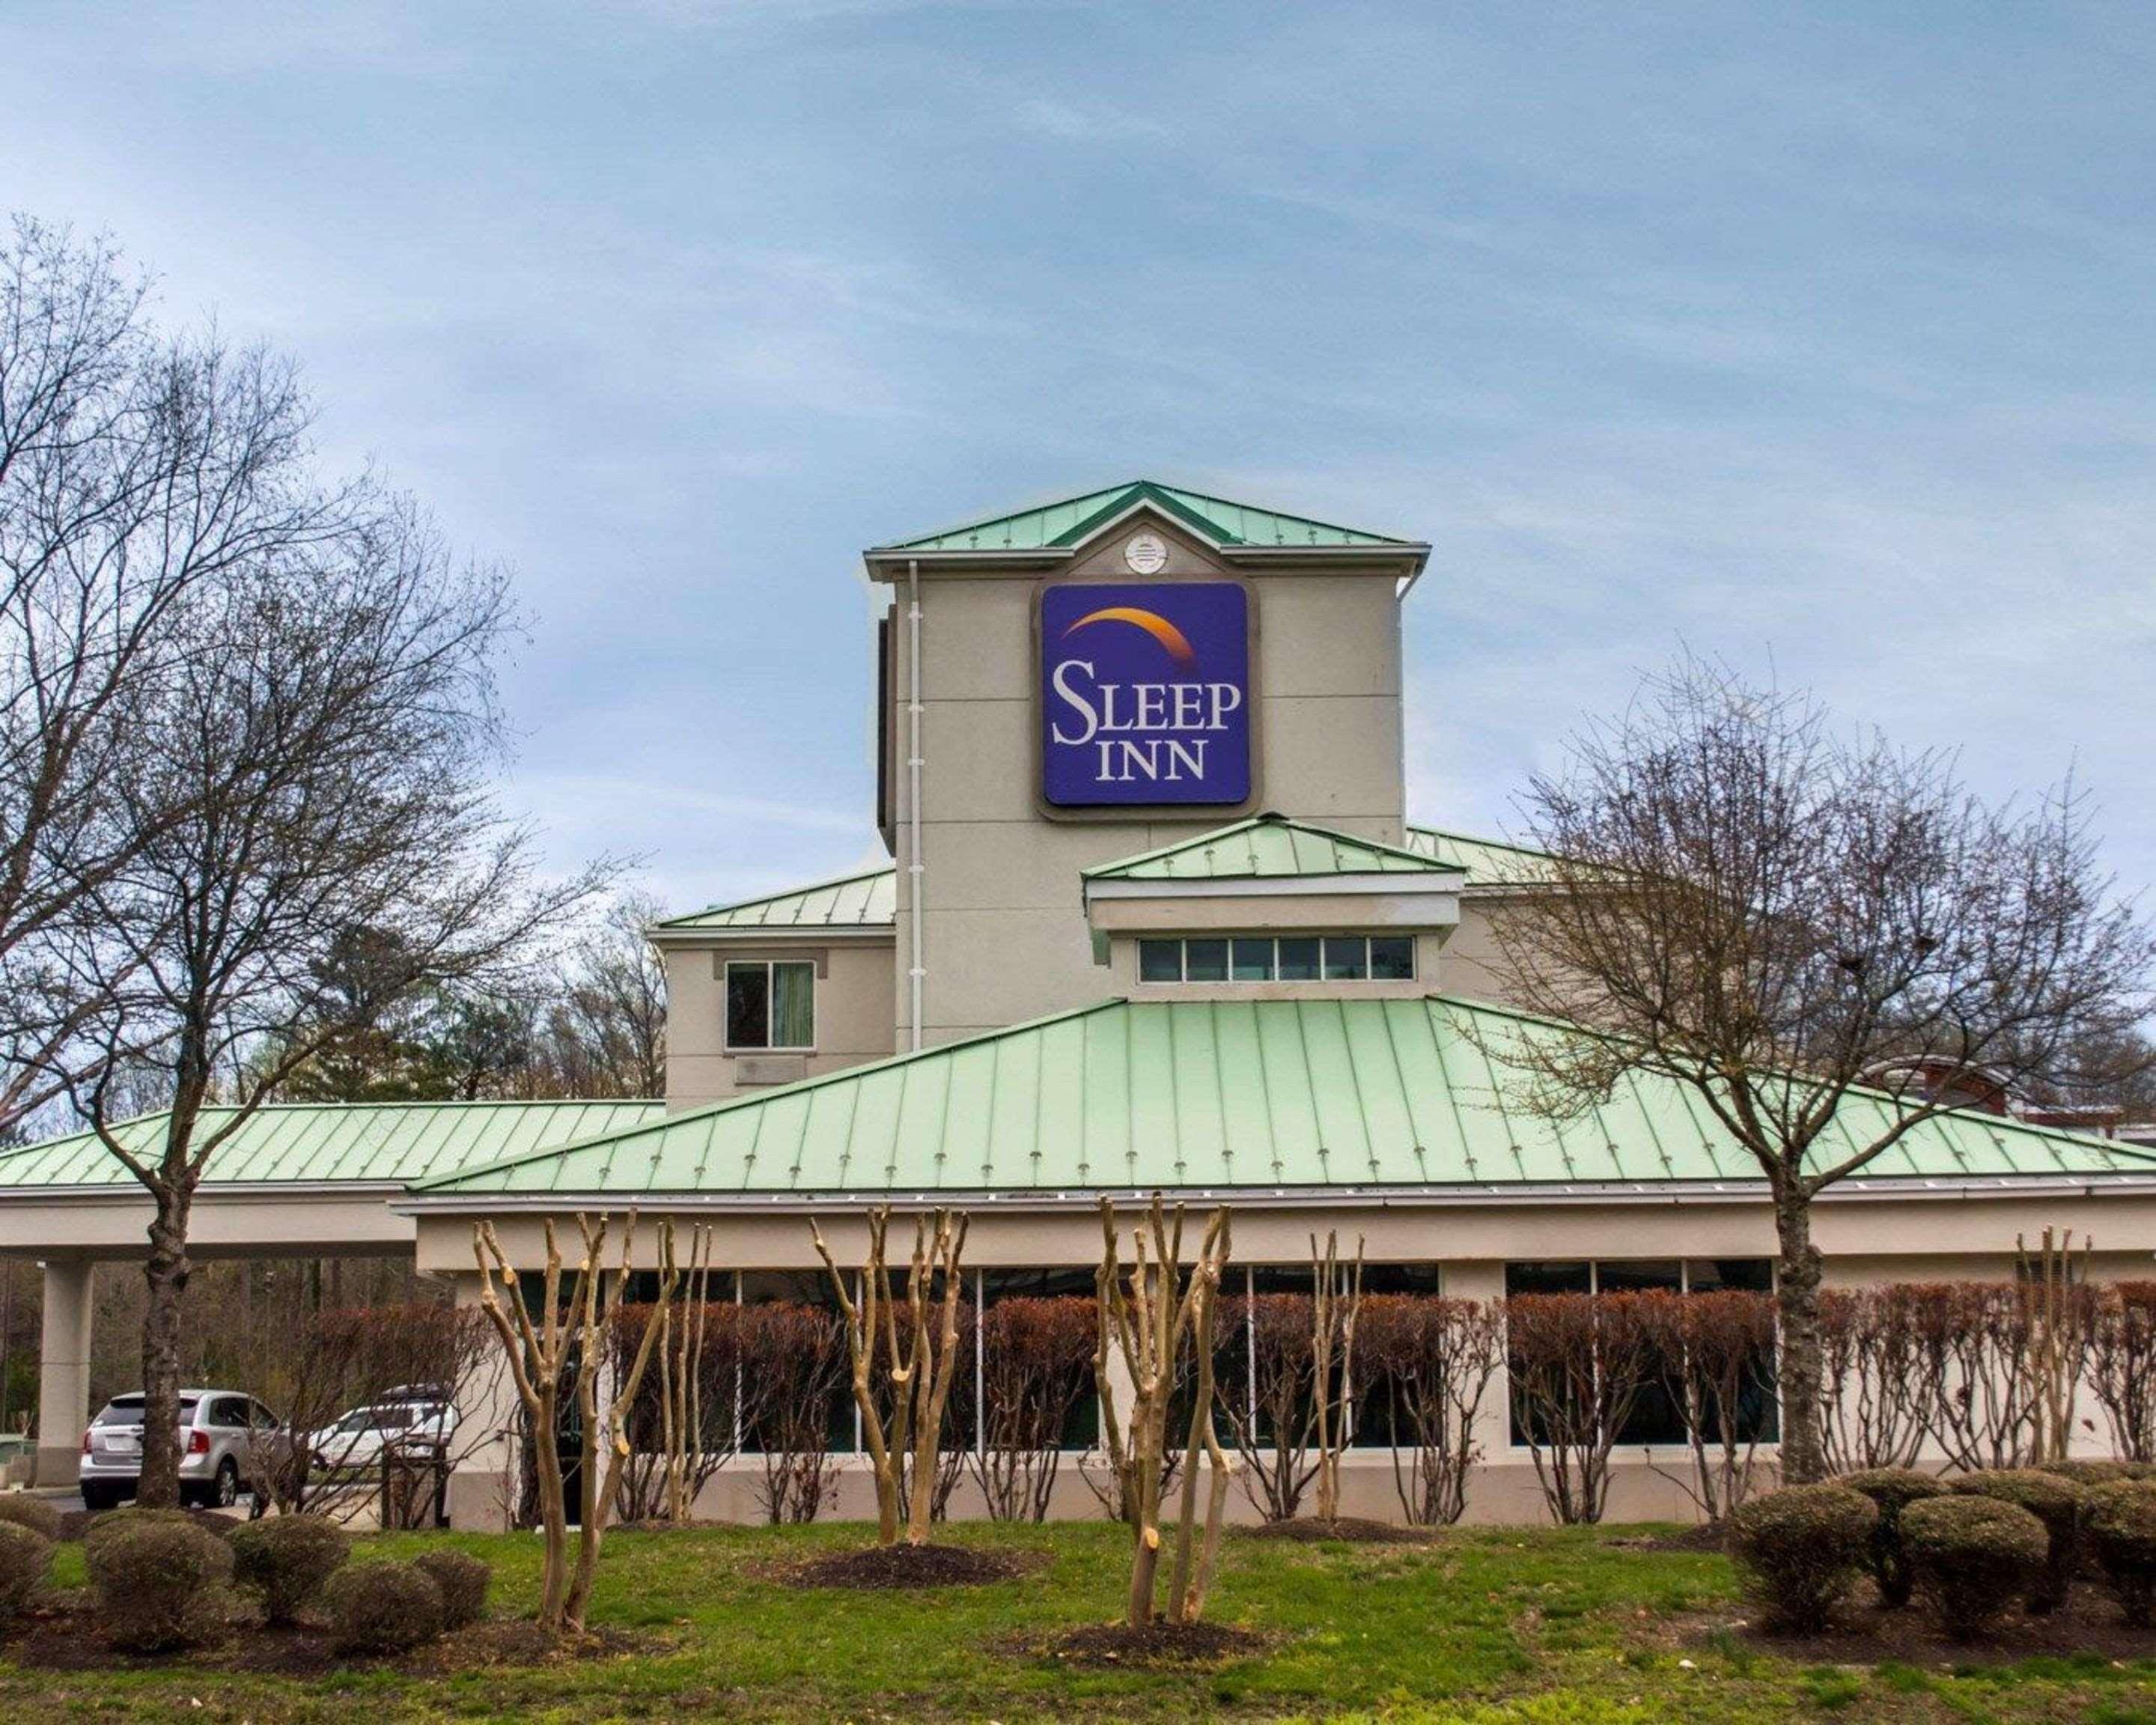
(748, 1006)
(1402, 1279)
(1392, 957)
(794, 1006)
(1253, 960)
(1160, 961)
(1298, 959)
(1347, 958)
(1205, 960)
(1750, 1275)
(1644, 1276)
(1548, 1278)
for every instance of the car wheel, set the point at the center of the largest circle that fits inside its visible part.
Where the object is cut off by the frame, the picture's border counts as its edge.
(97, 1499)
(226, 1492)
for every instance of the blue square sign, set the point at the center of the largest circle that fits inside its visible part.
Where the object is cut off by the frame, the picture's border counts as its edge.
(1145, 694)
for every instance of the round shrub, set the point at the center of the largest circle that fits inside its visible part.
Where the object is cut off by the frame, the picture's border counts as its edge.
(1799, 1548)
(159, 1584)
(1972, 1555)
(119, 1521)
(2054, 1500)
(286, 1559)
(2121, 1527)
(463, 1579)
(24, 1554)
(1893, 1490)
(383, 1608)
(2090, 1472)
(35, 1513)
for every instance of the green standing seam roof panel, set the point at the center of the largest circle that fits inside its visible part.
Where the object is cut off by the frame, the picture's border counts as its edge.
(1268, 847)
(1488, 862)
(868, 899)
(1051, 525)
(1220, 1093)
(386, 1142)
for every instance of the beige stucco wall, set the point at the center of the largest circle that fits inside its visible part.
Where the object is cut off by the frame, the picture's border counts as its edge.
(1866, 1241)
(853, 1013)
(1004, 926)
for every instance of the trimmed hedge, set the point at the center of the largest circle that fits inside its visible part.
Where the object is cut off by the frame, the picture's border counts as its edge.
(1799, 1548)
(1893, 1489)
(2121, 1527)
(2056, 1500)
(119, 1521)
(383, 1608)
(287, 1559)
(159, 1584)
(25, 1554)
(463, 1579)
(2090, 1472)
(1973, 1555)
(35, 1513)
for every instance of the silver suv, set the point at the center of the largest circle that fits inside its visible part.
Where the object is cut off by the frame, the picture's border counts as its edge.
(218, 1428)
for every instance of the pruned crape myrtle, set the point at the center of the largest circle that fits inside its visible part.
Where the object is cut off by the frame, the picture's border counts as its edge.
(566, 1342)
(1150, 1315)
(1826, 940)
(903, 1428)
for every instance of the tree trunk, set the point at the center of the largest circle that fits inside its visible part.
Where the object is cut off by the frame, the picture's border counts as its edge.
(166, 1271)
(1804, 1458)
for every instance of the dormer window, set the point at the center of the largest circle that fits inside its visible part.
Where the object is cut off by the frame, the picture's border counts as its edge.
(1282, 959)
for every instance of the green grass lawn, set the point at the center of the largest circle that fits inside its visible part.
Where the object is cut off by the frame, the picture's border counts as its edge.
(1542, 1628)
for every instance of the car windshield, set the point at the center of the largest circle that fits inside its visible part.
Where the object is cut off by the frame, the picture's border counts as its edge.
(128, 1410)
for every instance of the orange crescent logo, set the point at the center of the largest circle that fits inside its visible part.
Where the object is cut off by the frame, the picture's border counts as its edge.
(1152, 622)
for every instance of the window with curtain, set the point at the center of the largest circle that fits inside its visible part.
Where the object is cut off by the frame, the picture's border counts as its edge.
(771, 1004)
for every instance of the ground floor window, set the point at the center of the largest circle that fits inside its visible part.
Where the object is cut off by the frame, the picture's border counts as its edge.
(1656, 1418)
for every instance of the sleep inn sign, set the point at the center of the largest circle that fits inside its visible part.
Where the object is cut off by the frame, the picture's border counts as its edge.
(1145, 694)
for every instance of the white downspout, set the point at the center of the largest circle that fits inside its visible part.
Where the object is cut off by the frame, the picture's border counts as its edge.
(917, 974)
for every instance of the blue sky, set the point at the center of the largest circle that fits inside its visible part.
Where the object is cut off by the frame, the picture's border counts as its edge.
(1819, 338)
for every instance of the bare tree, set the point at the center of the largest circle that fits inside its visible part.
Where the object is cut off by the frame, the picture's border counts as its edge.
(1816, 935)
(1334, 1311)
(903, 1429)
(1150, 1317)
(136, 470)
(565, 1344)
(330, 737)
(606, 1027)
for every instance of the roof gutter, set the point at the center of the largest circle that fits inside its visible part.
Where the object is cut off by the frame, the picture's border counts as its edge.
(1964, 1189)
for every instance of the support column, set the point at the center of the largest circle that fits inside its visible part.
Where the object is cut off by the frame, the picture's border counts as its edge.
(483, 1481)
(64, 1371)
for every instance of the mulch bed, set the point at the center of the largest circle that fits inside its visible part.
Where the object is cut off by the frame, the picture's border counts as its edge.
(1109, 1645)
(69, 1638)
(910, 1566)
(1353, 1529)
(1869, 1633)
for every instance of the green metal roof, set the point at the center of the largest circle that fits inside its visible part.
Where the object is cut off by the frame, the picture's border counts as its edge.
(1488, 862)
(1268, 847)
(863, 901)
(1052, 526)
(360, 1143)
(1214, 1094)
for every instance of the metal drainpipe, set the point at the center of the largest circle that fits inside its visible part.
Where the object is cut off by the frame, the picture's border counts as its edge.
(917, 974)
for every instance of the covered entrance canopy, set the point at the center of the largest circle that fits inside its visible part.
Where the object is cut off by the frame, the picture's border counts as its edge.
(295, 1180)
